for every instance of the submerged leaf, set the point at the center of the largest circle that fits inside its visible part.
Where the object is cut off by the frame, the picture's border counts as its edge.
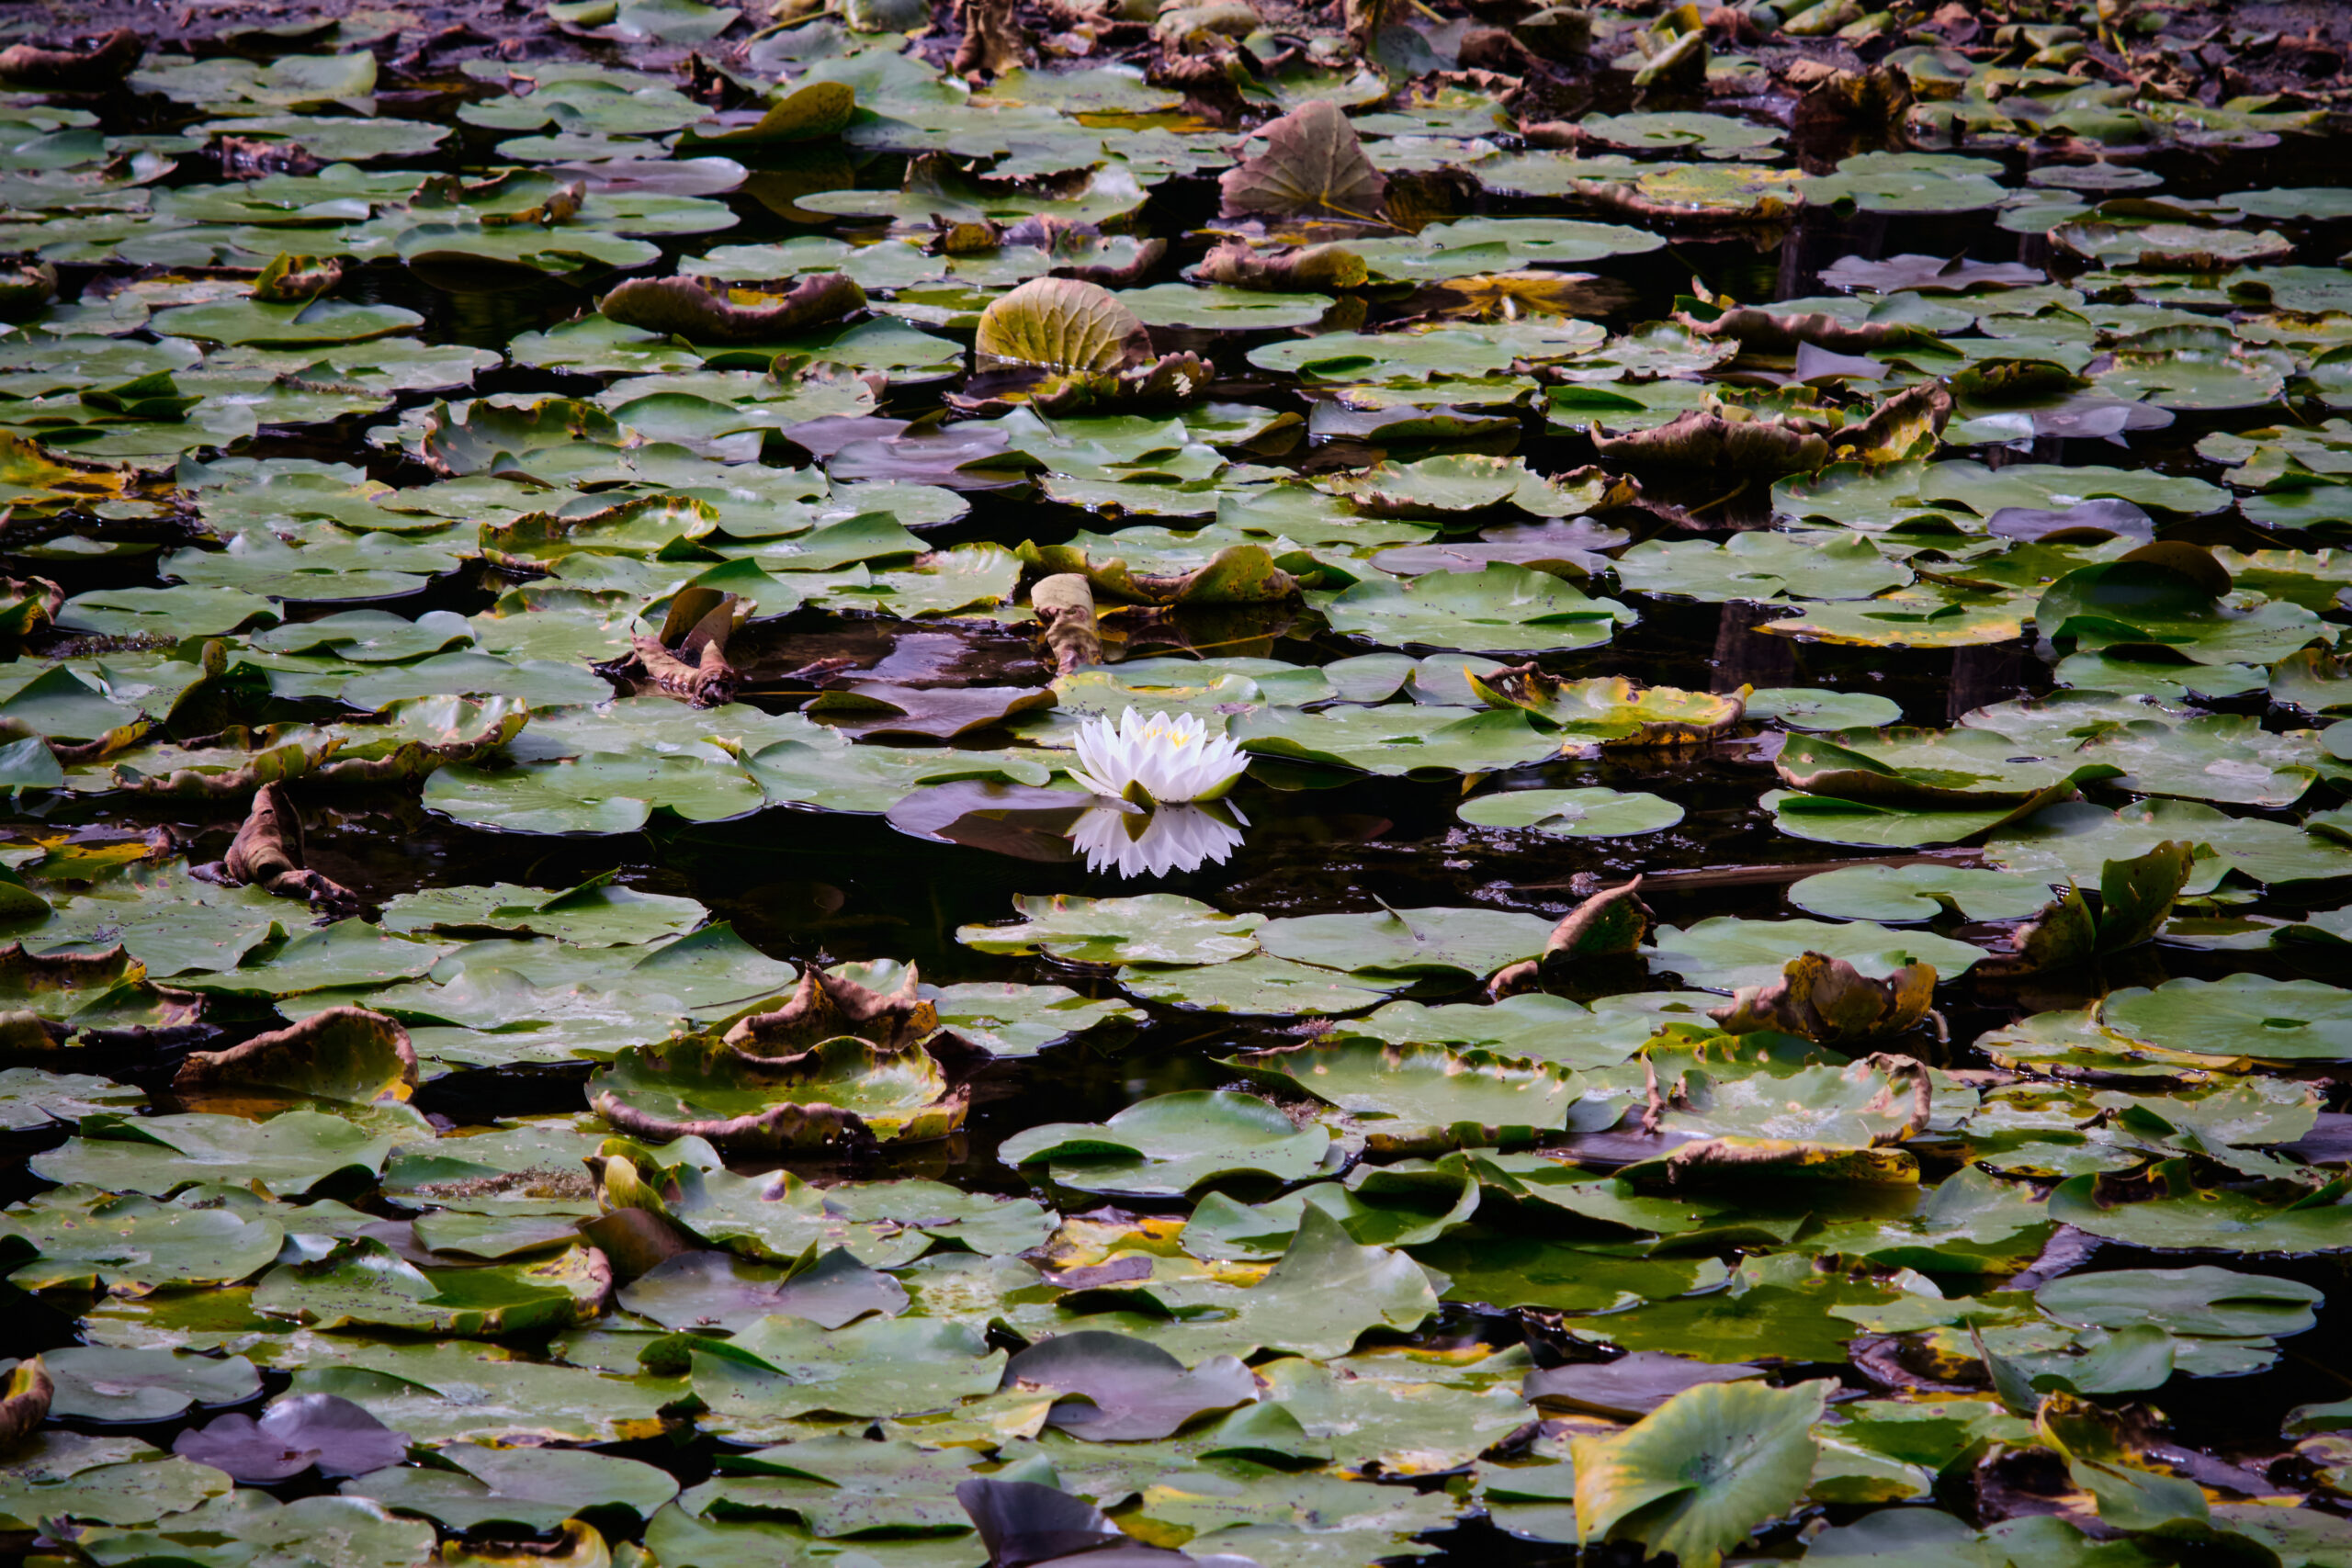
(294, 1434)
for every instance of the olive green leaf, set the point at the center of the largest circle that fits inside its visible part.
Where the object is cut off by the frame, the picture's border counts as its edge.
(1697, 1474)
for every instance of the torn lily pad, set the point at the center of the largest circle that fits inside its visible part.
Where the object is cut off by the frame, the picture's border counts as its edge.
(844, 1091)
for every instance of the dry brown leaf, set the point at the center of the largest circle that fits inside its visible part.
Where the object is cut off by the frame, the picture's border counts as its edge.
(1904, 425)
(993, 42)
(691, 309)
(1763, 331)
(1607, 925)
(1702, 439)
(688, 660)
(1877, 97)
(342, 1053)
(69, 71)
(267, 853)
(288, 279)
(1170, 381)
(1064, 603)
(1314, 166)
(826, 1006)
(1827, 1000)
(1306, 269)
(23, 1401)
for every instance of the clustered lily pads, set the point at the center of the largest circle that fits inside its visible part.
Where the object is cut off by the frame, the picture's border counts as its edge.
(1719, 932)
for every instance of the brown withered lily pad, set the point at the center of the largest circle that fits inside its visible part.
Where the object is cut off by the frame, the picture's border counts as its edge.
(344, 1053)
(1314, 166)
(1763, 331)
(1610, 711)
(1609, 924)
(688, 659)
(38, 992)
(92, 70)
(827, 1007)
(1826, 999)
(1237, 574)
(1299, 270)
(1702, 440)
(839, 1093)
(267, 854)
(24, 1400)
(230, 765)
(703, 312)
(1903, 425)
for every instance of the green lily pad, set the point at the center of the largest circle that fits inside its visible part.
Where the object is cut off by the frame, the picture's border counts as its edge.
(2217, 1302)
(1723, 953)
(1908, 182)
(1574, 813)
(1424, 1097)
(175, 612)
(842, 1486)
(1761, 566)
(784, 1367)
(2143, 602)
(1152, 927)
(1502, 608)
(1323, 1294)
(1918, 893)
(1008, 1019)
(2243, 1015)
(134, 1245)
(1408, 942)
(598, 793)
(1385, 1206)
(1530, 1025)
(1259, 984)
(365, 1284)
(2073, 841)
(59, 1474)
(291, 1153)
(2177, 1215)
(595, 914)
(1815, 708)
(1170, 1143)
(1749, 1447)
(1828, 819)
(536, 1488)
(841, 1091)
(1396, 739)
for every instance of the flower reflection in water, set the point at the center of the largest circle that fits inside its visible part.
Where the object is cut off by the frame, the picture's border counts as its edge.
(1153, 843)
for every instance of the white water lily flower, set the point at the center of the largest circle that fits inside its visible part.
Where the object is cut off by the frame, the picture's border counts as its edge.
(1156, 761)
(1174, 838)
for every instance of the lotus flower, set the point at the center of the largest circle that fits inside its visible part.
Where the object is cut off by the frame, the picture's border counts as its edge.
(1156, 761)
(1174, 838)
